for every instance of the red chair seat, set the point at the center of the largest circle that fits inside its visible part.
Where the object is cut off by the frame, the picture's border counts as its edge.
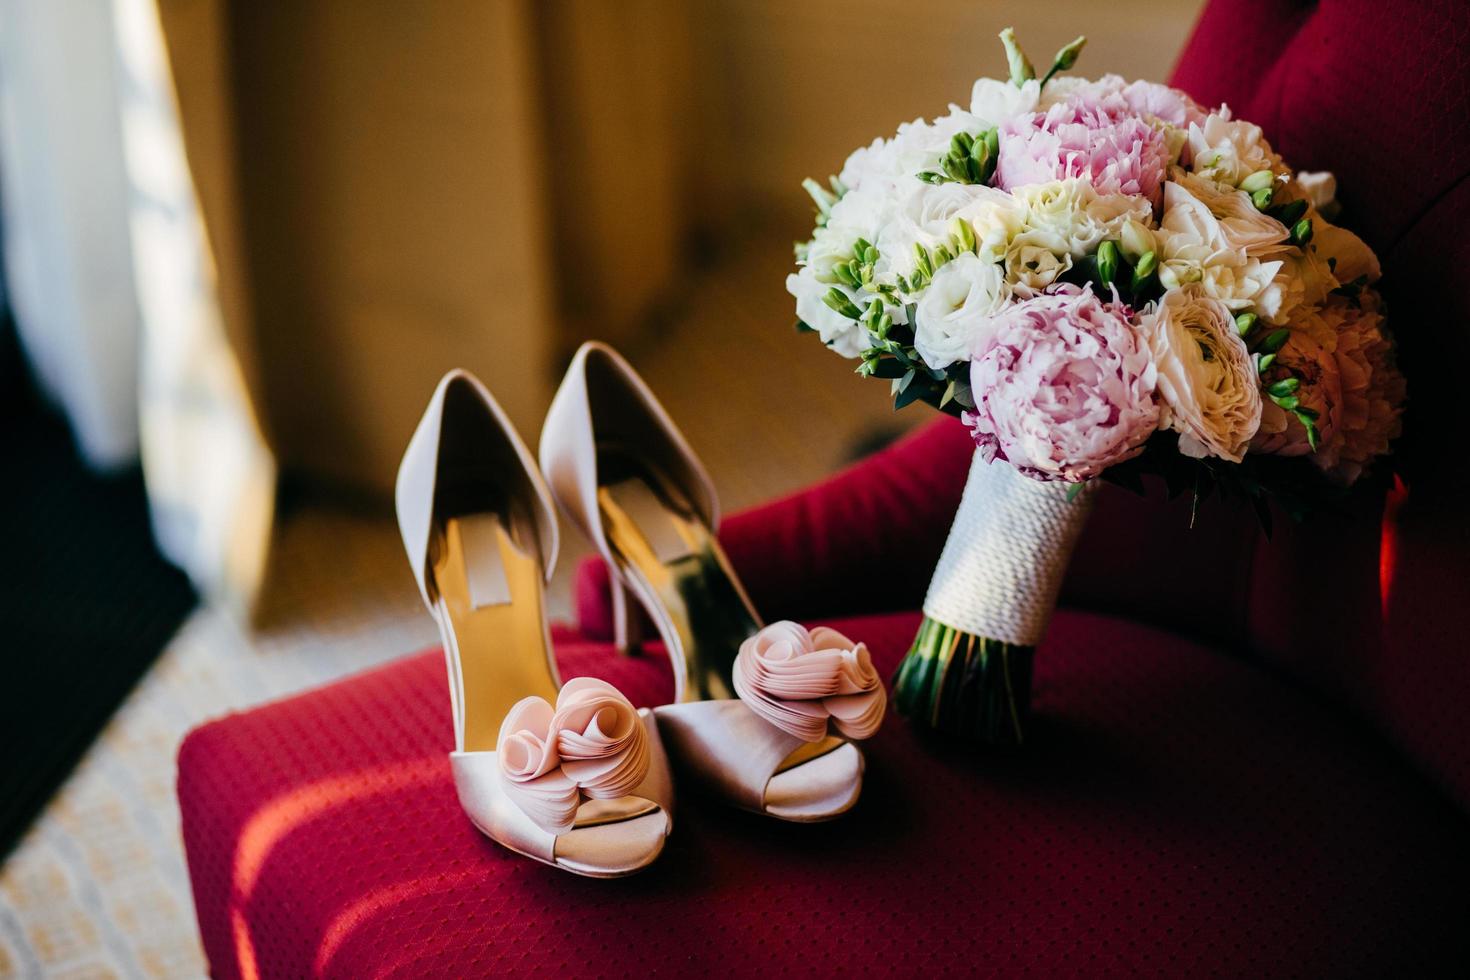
(1176, 811)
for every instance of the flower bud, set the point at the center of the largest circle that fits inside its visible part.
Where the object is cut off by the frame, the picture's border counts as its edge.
(1136, 240)
(1021, 70)
(1245, 323)
(1262, 198)
(1107, 262)
(1258, 181)
(1148, 264)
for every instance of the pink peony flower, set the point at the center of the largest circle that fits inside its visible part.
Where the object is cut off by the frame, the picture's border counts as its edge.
(1095, 135)
(1163, 103)
(1063, 388)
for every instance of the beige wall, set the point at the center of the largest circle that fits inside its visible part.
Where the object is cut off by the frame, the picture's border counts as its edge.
(807, 81)
(397, 188)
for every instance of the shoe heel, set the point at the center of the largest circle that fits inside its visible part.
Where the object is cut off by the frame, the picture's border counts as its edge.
(626, 616)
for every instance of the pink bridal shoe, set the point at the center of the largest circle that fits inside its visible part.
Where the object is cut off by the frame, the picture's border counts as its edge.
(569, 774)
(762, 717)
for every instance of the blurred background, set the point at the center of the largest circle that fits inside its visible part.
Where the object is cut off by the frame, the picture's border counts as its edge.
(242, 241)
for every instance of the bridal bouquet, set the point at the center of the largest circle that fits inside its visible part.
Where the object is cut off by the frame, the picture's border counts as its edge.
(1102, 279)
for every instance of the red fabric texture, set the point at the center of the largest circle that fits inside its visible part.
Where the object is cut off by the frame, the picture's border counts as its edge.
(1176, 812)
(1370, 607)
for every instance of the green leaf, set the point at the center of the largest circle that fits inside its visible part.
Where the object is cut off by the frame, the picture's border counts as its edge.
(948, 395)
(889, 368)
(1290, 213)
(803, 327)
(908, 396)
(1276, 340)
(906, 381)
(1073, 490)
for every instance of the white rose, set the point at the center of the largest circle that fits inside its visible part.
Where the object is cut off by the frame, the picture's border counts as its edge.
(1074, 212)
(846, 337)
(1229, 150)
(995, 102)
(955, 308)
(1035, 259)
(1206, 375)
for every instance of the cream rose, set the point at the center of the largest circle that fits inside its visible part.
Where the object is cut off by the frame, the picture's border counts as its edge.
(1074, 212)
(1206, 376)
(1035, 259)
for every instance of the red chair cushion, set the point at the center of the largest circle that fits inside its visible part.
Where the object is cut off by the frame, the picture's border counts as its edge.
(1176, 812)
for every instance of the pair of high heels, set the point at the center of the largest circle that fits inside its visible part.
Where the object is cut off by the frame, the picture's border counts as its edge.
(572, 774)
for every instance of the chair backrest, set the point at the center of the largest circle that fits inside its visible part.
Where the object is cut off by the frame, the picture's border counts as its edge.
(1375, 607)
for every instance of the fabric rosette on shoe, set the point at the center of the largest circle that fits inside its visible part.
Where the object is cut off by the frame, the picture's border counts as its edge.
(592, 745)
(802, 680)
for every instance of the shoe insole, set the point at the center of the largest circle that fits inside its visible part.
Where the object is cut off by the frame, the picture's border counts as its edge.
(491, 593)
(670, 553)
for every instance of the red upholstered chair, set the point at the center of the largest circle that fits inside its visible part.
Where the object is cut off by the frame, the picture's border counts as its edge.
(1266, 775)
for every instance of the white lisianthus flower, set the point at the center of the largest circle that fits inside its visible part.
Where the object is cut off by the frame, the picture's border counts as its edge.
(1229, 150)
(1073, 211)
(1192, 248)
(1238, 223)
(1347, 255)
(1319, 187)
(953, 311)
(925, 217)
(1036, 259)
(846, 337)
(994, 102)
(888, 166)
(1206, 375)
(1303, 280)
(861, 213)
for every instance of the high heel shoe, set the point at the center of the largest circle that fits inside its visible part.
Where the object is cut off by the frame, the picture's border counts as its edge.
(571, 775)
(751, 710)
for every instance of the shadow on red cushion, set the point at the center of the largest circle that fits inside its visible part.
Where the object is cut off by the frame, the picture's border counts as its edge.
(1175, 812)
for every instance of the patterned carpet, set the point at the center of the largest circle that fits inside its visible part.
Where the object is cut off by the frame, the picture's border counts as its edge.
(98, 887)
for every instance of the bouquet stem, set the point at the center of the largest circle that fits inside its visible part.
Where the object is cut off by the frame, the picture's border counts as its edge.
(966, 685)
(968, 672)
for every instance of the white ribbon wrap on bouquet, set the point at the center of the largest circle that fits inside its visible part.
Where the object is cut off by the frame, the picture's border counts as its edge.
(1007, 551)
